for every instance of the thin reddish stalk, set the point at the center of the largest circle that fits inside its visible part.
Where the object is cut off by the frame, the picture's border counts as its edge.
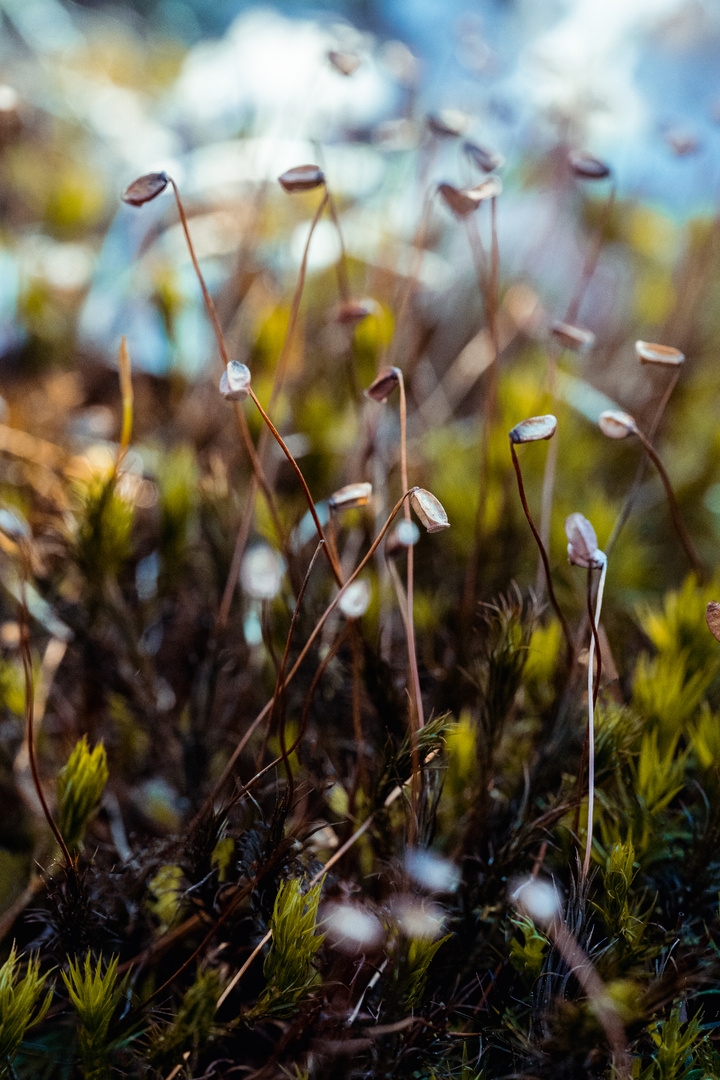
(678, 522)
(303, 653)
(281, 678)
(23, 620)
(258, 457)
(242, 422)
(417, 716)
(632, 494)
(544, 557)
(209, 305)
(303, 483)
(360, 771)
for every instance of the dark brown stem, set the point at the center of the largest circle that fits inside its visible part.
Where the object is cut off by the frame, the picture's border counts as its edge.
(674, 508)
(209, 306)
(303, 483)
(360, 782)
(543, 555)
(240, 542)
(207, 805)
(281, 367)
(257, 457)
(258, 470)
(642, 464)
(281, 678)
(242, 422)
(322, 668)
(417, 717)
(603, 1006)
(23, 620)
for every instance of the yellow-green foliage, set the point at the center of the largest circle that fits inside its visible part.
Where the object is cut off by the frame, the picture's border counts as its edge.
(12, 687)
(164, 899)
(676, 1044)
(178, 482)
(618, 878)
(79, 786)
(95, 997)
(105, 519)
(680, 627)
(659, 775)
(222, 856)
(617, 735)
(289, 969)
(527, 955)
(705, 740)
(415, 966)
(20, 1005)
(542, 656)
(462, 768)
(619, 910)
(665, 693)
(192, 1025)
(133, 740)
(669, 688)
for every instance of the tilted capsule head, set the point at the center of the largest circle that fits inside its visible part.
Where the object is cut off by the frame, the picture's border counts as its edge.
(587, 167)
(302, 178)
(572, 337)
(649, 352)
(430, 510)
(616, 424)
(485, 159)
(145, 188)
(489, 188)
(712, 618)
(382, 387)
(583, 547)
(534, 429)
(235, 381)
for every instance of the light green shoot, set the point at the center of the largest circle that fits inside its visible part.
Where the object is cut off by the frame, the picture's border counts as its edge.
(95, 997)
(20, 1005)
(289, 966)
(80, 785)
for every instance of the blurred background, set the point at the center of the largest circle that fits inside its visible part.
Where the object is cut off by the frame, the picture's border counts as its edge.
(227, 95)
